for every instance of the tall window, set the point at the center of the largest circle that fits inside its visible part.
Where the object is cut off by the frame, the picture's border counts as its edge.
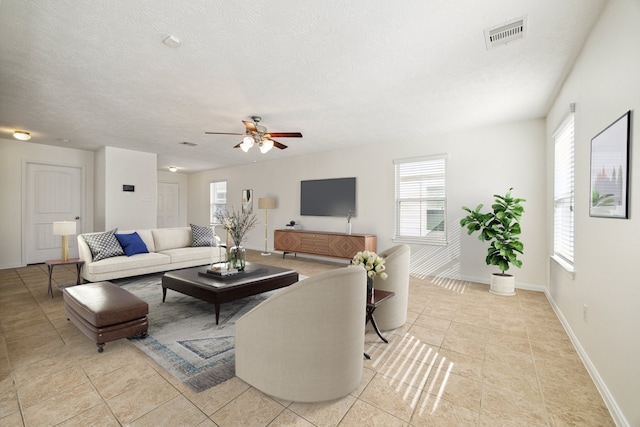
(563, 193)
(218, 198)
(420, 215)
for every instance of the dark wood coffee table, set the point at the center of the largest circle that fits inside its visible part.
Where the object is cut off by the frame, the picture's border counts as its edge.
(256, 279)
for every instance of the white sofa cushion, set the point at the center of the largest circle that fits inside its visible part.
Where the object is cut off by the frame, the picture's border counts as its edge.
(171, 238)
(118, 263)
(190, 254)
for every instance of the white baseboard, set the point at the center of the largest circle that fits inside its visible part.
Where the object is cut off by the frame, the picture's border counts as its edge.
(613, 407)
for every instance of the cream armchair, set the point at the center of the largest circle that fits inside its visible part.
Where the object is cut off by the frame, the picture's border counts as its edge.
(306, 343)
(393, 313)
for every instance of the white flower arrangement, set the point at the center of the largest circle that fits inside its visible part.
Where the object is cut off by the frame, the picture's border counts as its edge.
(237, 224)
(372, 263)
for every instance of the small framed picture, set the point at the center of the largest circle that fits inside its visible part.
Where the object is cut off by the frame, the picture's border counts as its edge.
(610, 170)
(247, 201)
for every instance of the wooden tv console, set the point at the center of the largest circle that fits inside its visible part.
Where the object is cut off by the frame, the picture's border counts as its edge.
(322, 243)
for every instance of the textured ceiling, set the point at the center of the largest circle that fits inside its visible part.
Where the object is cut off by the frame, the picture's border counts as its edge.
(96, 73)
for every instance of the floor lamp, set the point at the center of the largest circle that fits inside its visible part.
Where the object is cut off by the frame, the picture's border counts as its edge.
(266, 203)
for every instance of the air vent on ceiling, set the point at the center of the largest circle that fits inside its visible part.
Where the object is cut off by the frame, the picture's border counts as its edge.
(190, 144)
(505, 33)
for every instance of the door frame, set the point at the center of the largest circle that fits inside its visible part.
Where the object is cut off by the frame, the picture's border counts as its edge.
(25, 195)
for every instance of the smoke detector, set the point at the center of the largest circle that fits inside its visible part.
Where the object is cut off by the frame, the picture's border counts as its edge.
(172, 41)
(505, 33)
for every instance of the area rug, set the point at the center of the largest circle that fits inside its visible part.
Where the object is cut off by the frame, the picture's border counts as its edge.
(183, 336)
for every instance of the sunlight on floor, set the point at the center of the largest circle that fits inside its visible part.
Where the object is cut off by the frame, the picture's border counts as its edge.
(415, 367)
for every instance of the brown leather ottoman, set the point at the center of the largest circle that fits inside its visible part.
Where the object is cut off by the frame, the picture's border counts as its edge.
(105, 312)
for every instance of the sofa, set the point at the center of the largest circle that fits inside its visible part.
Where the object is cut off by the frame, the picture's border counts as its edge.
(167, 249)
(306, 342)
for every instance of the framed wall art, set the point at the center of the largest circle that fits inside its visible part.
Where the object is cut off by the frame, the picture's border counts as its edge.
(247, 201)
(610, 170)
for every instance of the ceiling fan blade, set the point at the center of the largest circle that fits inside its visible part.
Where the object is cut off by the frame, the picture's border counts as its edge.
(286, 134)
(223, 133)
(279, 145)
(251, 127)
(237, 145)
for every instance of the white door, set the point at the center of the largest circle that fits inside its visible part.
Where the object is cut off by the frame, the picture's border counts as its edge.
(52, 193)
(168, 204)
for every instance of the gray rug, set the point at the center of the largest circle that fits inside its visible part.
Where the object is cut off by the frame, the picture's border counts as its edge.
(183, 335)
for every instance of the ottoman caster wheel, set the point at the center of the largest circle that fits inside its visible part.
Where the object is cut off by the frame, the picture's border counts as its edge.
(100, 348)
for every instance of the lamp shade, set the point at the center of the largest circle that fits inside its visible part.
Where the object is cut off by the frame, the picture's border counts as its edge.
(266, 145)
(64, 228)
(266, 203)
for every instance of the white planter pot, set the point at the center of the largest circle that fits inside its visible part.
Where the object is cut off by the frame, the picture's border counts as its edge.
(503, 284)
(348, 228)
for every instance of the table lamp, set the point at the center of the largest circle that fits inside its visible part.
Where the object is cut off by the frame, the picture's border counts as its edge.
(64, 229)
(266, 203)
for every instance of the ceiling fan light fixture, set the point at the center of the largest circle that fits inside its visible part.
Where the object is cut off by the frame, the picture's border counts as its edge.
(173, 169)
(21, 135)
(266, 145)
(246, 144)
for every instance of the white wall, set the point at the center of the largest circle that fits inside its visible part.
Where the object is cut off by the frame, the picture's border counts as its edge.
(130, 210)
(604, 84)
(481, 162)
(13, 154)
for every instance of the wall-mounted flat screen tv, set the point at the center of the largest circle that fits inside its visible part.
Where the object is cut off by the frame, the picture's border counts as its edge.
(328, 197)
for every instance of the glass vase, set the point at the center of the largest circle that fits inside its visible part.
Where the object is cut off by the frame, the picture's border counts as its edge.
(369, 285)
(237, 257)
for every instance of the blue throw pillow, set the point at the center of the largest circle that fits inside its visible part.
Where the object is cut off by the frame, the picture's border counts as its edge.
(132, 244)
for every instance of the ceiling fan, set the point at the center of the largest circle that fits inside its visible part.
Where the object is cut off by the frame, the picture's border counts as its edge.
(258, 135)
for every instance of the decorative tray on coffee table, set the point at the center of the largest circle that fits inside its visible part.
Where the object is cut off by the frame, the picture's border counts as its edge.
(223, 273)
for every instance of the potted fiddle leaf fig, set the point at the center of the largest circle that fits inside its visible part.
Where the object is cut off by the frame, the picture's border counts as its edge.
(501, 228)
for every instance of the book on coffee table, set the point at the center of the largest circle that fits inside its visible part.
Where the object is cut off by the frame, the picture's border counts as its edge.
(222, 272)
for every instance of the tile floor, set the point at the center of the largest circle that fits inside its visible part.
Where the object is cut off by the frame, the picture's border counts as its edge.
(464, 358)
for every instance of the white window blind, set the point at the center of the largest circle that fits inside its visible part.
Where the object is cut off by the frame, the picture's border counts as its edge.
(563, 192)
(421, 202)
(218, 199)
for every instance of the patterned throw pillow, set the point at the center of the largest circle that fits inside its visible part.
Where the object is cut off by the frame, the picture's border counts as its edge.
(104, 245)
(202, 236)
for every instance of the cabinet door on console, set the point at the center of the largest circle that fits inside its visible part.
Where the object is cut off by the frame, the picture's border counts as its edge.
(287, 241)
(345, 246)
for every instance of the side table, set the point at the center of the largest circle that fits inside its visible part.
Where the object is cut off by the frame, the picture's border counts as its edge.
(53, 262)
(374, 299)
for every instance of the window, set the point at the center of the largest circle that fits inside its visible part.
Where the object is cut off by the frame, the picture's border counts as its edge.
(420, 215)
(563, 194)
(218, 198)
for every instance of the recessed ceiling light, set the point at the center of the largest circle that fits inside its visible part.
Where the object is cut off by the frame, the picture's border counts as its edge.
(173, 169)
(21, 135)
